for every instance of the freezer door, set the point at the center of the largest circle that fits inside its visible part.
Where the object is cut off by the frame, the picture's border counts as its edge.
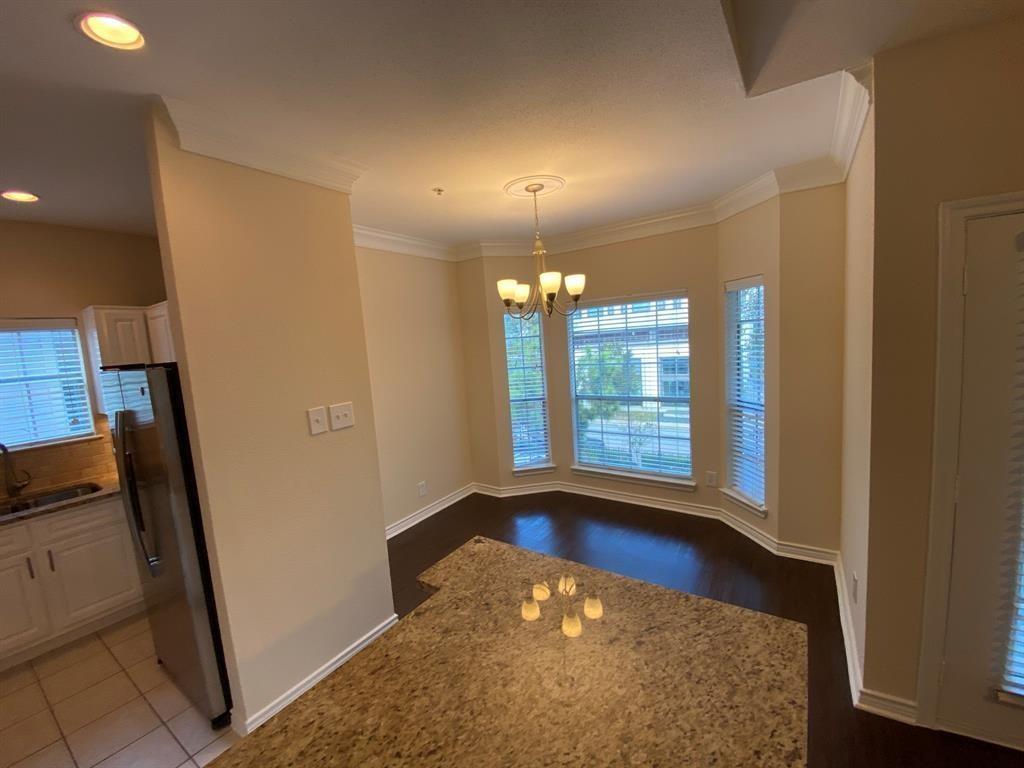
(172, 583)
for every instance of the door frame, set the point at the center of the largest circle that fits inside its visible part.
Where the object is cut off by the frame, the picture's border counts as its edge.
(949, 346)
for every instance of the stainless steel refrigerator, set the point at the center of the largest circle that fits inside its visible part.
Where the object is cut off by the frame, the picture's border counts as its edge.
(158, 487)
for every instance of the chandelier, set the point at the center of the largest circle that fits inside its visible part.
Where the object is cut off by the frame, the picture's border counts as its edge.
(523, 300)
(567, 585)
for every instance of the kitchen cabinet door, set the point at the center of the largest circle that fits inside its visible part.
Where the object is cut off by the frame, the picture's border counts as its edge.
(161, 346)
(123, 336)
(90, 575)
(23, 615)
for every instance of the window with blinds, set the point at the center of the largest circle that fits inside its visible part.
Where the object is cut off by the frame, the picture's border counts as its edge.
(527, 392)
(43, 395)
(631, 387)
(744, 389)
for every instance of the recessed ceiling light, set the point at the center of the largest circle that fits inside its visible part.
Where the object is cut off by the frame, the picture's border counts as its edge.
(19, 196)
(112, 31)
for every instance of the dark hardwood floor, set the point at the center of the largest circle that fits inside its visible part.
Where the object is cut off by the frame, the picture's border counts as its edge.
(703, 557)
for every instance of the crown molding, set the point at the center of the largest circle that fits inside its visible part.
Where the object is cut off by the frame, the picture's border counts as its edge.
(764, 187)
(206, 134)
(820, 172)
(382, 240)
(632, 229)
(854, 101)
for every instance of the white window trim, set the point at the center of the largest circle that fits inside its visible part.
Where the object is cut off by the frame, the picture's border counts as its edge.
(752, 505)
(640, 478)
(58, 441)
(535, 469)
(744, 501)
(644, 478)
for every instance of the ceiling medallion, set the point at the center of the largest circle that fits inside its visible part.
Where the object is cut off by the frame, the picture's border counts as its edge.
(522, 300)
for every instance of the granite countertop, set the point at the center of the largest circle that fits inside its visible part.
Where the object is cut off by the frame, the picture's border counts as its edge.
(663, 679)
(107, 489)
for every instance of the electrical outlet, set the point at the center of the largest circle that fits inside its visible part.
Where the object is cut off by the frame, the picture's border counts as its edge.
(856, 584)
(421, 487)
(711, 479)
(317, 420)
(342, 416)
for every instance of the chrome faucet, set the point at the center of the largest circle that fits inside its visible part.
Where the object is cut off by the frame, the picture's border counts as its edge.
(14, 485)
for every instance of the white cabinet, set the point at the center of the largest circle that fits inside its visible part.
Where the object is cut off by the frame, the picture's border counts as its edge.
(113, 336)
(161, 346)
(118, 335)
(23, 616)
(90, 575)
(73, 567)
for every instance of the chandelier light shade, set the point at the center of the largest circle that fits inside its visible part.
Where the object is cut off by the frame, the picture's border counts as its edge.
(592, 607)
(523, 300)
(541, 591)
(531, 610)
(571, 624)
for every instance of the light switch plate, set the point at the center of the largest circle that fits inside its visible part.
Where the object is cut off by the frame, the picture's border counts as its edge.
(317, 420)
(342, 416)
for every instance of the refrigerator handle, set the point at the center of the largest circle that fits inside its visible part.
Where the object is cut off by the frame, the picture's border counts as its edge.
(130, 490)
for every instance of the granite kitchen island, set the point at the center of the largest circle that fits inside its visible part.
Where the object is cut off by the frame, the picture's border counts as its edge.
(663, 678)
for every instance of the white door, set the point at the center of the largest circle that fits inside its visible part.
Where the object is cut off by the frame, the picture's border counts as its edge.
(124, 339)
(159, 325)
(90, 575)
(23, 618)
(986, 590)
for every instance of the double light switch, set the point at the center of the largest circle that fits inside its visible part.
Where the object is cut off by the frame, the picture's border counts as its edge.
(338, 416)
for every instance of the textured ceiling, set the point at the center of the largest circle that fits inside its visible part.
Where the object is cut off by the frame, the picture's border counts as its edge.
(638, 104)
(781, 42)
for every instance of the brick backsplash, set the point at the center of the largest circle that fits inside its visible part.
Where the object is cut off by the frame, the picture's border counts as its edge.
(68, 463)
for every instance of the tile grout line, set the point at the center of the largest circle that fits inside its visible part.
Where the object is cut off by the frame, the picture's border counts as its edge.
(163, 723)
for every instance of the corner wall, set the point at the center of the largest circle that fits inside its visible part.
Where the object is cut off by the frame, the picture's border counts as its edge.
(414, 345)
(261, 274)
(948, 117)
(857, 327)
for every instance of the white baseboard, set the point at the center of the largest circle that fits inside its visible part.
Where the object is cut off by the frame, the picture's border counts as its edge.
(849, 636)
(286, 698)
(431, 509)
(886, 705)
(773, 545)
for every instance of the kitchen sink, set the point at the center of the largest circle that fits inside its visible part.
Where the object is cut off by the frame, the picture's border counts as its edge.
(46, 498)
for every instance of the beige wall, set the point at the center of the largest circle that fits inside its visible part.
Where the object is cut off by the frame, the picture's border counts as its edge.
(811, 249)
(748, 245)
(856, 460)
(52, 271)
(414, 344)
(796, 242)
(683, 261)
(948, 117)
(262, 273)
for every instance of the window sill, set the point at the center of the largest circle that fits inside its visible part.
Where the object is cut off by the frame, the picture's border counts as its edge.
(749, 504)
(1014, 698)
(682, 484)
(536, 469)
(55, 443)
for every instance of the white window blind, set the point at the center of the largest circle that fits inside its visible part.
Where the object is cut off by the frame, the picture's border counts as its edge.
(631, 386)
(43, 395)
(744, 388)
(527, 392)
(1013, 654)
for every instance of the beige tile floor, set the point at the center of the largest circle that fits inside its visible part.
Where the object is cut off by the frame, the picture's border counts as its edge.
(102, 701)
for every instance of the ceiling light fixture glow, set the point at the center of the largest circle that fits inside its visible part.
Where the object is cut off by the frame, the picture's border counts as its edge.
(19, 196)
(112, 31)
